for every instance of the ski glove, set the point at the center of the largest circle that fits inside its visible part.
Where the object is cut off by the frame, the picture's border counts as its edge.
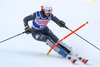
(28, 30)
(61, 24)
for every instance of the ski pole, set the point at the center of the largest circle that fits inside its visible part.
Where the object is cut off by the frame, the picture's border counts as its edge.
(66, 37)
(84, 39)
(12, 37)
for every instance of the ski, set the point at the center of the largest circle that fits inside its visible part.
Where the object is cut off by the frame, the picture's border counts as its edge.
(73, 60)
(83, 60)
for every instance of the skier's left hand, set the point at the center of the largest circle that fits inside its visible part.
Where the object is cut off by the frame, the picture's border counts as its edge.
(62, 24)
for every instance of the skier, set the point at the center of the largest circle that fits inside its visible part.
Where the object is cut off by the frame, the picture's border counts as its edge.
(41, 32)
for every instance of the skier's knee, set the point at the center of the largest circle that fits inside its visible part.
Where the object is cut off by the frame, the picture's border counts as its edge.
(41, 37)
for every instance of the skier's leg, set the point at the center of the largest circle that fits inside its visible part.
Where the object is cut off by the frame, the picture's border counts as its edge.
(40, 36)
(44, 38)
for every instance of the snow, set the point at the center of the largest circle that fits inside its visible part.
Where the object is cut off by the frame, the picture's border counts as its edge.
(24, 51)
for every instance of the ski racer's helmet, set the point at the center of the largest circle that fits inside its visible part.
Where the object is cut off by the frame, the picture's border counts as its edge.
(46, 9)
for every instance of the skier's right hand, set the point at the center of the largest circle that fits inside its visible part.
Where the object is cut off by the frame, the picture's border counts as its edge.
(28, 30)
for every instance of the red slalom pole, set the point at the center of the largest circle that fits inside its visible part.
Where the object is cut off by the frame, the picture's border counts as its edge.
(66, 37)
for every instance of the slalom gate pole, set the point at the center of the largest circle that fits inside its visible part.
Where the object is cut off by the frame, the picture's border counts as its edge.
(66, 37)
(83, 39)
(11, 37)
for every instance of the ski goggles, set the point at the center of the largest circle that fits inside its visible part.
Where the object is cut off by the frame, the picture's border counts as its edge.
(48, 10)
